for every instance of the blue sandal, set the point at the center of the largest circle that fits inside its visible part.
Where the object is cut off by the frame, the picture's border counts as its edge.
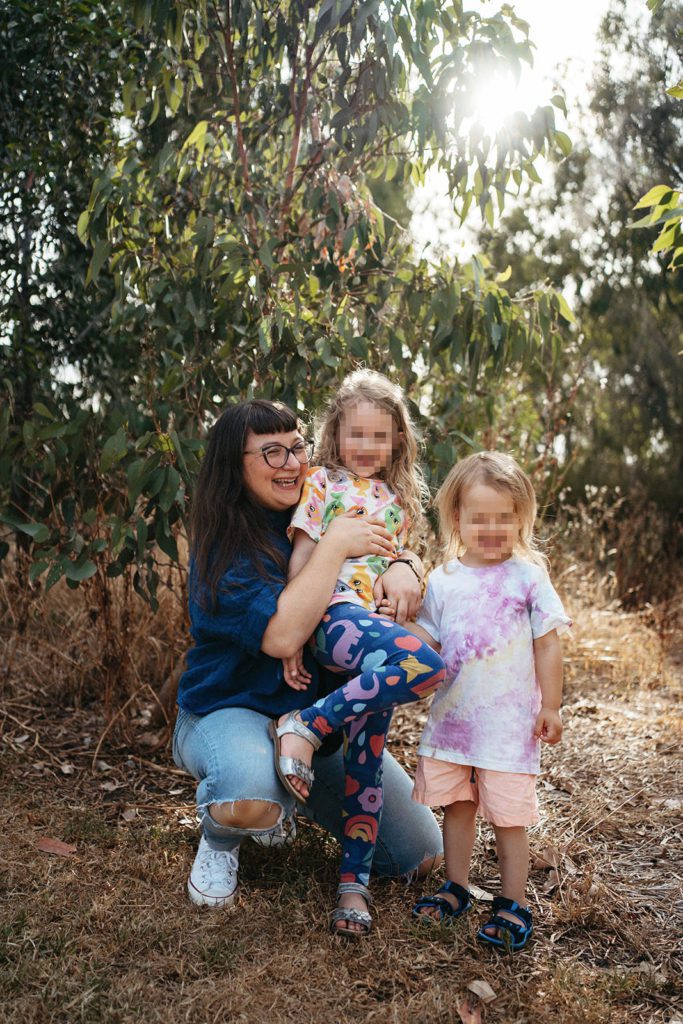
(511, 935)
(447, 912)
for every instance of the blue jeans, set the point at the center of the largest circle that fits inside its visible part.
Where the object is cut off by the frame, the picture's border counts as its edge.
(230, 754)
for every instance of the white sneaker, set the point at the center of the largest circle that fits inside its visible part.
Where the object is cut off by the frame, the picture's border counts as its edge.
(213, 879)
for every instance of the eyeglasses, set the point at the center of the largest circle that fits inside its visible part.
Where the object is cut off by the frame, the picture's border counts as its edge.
(276, 455)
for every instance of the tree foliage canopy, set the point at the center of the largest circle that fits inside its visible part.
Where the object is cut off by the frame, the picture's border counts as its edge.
(218, 159)
(619, 383)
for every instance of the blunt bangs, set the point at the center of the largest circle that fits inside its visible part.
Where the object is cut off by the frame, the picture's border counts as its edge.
(265, 417)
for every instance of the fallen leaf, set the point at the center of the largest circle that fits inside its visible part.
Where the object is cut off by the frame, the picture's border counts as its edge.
(553, 881)
(67, 769)
(481, 894)
(110, 786)
(150, 738)
(548, 857)
(56, 847)
(129, 814)
(482, 989)
(469, 1014)
(569, 865)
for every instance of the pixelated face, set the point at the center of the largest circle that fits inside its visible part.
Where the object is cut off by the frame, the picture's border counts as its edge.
(367, 439)
(488, 525)
(276, 489)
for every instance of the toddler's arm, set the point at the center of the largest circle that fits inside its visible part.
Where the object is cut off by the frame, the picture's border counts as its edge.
(303, 547)
(423, 635)
(548, 661)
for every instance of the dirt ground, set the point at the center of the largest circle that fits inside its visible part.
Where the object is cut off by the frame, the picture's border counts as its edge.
(100, 930)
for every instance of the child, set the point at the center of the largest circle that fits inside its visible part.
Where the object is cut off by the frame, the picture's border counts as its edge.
(492, 611)
(367, 467)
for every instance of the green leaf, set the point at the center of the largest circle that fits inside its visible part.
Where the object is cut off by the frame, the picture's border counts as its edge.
(38, 531)
(175, 441)
(82, 226)
(564, 142)
(559, 102)
(43, 411)
(196, 136)
(36, 570)
(113, 450)
(80, 570)
(468, 440)
(266, 256)
(564, 309)
(142, 534)
(100, 256)
(167, 543)
(169, 488)
(676, 91)
(56, 572)
(664, 240)
(655, 197)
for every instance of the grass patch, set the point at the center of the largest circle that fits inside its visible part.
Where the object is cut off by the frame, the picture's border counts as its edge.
(108, 936)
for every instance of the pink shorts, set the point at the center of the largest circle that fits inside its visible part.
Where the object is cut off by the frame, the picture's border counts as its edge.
(503, 798)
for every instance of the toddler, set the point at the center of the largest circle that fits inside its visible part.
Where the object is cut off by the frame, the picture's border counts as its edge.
(367, 465)
(492, 612)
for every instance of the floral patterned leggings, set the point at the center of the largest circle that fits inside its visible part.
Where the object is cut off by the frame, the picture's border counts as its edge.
(393, 667)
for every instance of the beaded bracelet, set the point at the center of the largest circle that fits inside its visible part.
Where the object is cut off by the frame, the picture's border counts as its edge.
(406, 561)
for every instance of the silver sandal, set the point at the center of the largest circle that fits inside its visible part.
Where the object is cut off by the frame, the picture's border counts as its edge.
(285, 766)
(350, 914)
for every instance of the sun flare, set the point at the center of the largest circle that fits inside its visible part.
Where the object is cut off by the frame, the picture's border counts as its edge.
(497, 99)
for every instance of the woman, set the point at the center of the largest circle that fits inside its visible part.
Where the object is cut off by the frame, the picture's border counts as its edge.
(245, 617)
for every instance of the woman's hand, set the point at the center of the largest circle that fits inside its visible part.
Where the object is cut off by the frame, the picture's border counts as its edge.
(357, 535)
(397, 593)
(296, 675)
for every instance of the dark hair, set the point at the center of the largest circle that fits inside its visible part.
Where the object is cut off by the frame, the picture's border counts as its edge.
(225, 521)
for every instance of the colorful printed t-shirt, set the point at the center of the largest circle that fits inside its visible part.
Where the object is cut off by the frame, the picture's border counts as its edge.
(486, 621)
(330, 492)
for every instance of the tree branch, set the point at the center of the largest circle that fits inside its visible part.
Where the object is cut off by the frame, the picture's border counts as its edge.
(241, 148)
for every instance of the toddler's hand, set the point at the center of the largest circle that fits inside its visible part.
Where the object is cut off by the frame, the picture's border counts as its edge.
(386, 608)
(296, 675)
(548, 726)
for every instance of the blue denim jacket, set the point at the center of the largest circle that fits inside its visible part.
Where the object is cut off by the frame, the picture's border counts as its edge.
(226, 667)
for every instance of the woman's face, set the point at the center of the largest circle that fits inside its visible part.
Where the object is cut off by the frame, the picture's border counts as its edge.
(277, 489)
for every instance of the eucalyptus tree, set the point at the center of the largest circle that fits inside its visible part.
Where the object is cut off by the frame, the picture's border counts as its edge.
(235, 216)
(618, 382)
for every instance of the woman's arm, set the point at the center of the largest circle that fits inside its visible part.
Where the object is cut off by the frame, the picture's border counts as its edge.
(301, 604)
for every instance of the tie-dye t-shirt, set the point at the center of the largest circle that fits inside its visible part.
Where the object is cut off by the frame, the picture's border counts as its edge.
(486, 621)
(330, 492)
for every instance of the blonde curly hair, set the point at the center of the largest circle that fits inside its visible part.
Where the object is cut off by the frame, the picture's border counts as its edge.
(404, 475)
(500, 471)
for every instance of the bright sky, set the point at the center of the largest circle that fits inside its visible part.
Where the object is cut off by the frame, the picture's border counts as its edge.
(562, 30)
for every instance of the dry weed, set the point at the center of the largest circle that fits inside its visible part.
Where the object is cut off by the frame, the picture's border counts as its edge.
(107, 934)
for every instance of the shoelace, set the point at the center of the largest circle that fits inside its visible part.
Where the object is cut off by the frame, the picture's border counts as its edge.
(216, 866)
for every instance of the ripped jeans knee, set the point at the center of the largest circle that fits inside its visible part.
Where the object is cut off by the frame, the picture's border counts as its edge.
(226, 821)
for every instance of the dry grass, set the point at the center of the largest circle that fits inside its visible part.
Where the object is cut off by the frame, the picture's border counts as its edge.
(108, 934)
